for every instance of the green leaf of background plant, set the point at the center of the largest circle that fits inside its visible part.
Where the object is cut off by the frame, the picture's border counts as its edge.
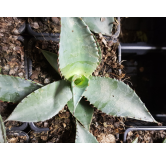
(83, 135)
(164, 140)
(78, 53)
(2, 131)
(96, 25)
(83, 112)
(78, 85)
(135, 140)
(14, 89)
(43, 103)
(115, 98)
(51, 58)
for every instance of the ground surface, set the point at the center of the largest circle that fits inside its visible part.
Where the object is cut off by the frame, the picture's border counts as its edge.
(45, 25)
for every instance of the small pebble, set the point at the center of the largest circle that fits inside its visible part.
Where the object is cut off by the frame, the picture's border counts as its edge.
(45, 124)
(35, 25)
(16, 68)
(6, 68)
(55, 20)
(15, 31)
(20, 74)
(46, 81)
(64, 125)
(109, 138)
(12, 72)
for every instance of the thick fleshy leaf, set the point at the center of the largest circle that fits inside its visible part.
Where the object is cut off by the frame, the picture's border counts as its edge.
(51, 58)
(135, 140)
(43, 103)
(78, 85)
(99, 49)
(78, 53)
(2, 131)
(14, 89)
(83, 112)
(83, 135)
(115, 98)
(100, 24)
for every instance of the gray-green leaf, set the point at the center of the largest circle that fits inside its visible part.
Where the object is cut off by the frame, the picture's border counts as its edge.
(83, 135)
(115, 98)
(78, 85)
(51, 58)
(83, 112)
(14, 89)
(78, 53)
(100, 24)
(43, 103)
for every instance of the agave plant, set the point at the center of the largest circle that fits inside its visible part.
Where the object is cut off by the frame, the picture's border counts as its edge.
(79, 56)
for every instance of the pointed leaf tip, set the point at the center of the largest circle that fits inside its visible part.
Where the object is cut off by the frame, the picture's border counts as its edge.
(52, 58)
(83, 112)
(32, 109)
(84, 136)
(20, 88)
(117, 99)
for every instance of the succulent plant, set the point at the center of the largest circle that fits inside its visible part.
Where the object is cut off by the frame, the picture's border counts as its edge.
(79, 55)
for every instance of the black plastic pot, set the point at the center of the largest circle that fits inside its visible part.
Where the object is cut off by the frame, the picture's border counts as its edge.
(18, 133)
(27, 62)
(142, 128)
(20, 128)
(160, 118)
(22, 28)
(35, 34)
(37, 129)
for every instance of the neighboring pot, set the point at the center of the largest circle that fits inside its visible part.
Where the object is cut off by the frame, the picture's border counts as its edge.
(142, 128)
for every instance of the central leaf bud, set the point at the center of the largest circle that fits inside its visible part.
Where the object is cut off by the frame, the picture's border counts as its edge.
(78, 80)
(79, 85)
